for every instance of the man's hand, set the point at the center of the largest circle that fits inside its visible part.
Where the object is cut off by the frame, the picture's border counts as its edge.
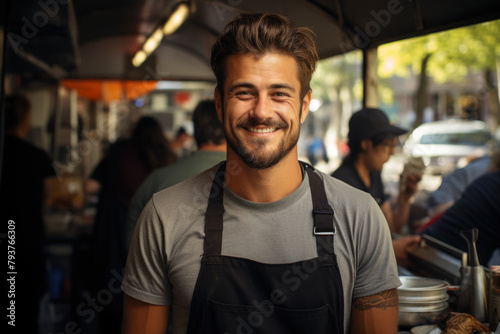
(410, 185)
(402, 246)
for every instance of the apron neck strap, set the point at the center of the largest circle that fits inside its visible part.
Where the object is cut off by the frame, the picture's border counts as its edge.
(324, 228)
(214, 214)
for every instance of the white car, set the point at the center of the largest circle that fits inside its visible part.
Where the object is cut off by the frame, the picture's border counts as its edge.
(445, 145)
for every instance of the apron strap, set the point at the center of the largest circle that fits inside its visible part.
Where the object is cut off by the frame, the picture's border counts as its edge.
(324, 228)
(214, 215)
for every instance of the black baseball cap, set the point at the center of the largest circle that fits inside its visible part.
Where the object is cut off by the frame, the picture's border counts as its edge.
(369, 122)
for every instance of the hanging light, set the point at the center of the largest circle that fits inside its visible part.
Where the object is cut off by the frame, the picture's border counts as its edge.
(139, 58)
(177, 18)
(153, 41)
(173, 22)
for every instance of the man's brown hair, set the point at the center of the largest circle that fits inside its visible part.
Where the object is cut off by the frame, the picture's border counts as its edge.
(260, 33)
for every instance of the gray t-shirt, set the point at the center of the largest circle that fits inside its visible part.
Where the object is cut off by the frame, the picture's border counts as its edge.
(165, 177)
(167, 245)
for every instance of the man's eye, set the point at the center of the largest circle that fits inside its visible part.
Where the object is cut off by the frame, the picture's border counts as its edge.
(243, 93)
(280, 94)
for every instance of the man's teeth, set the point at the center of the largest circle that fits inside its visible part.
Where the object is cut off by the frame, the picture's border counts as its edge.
(261, 130)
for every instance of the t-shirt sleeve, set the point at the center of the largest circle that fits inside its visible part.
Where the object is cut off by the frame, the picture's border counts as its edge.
(376, 263)
(137, 204)
(146, 276)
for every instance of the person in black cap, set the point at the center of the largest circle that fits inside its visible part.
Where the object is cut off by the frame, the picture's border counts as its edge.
(372, 140)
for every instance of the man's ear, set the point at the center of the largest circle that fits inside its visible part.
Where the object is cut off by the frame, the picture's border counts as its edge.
(366, 144)
(306, 101)
(218, 103)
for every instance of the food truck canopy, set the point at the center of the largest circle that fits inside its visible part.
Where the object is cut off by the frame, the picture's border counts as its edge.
(77, 39)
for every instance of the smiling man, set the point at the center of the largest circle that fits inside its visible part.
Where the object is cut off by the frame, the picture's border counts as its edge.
(262, 243)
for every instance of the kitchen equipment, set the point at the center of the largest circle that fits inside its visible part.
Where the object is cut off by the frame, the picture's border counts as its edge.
(422, 289)
(421, 300)
(473, 297)
(426, 329)
(412, 316)
(434, 258)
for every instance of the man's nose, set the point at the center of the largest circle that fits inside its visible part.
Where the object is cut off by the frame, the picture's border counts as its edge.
(263, 108)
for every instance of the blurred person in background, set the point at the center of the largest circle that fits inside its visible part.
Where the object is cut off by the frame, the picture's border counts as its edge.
(183, 144)
(211, 143)
(479, 206)
(454, 184)
(26, 170)
(372, 141)
(91, 186)
(122, 171)
(316, 150)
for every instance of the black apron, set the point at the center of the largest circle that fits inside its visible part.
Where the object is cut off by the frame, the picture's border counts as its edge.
(240, 296)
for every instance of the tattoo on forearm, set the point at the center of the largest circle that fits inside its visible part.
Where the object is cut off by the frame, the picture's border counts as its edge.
(383, 300)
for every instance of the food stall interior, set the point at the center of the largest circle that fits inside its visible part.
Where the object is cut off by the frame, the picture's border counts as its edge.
(61, 43)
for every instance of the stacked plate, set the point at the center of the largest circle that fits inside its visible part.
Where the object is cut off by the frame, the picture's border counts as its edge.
(421, 300)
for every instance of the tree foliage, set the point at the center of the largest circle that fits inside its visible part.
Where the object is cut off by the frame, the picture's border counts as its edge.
(450, 56)
(335, 74)
(453, 53)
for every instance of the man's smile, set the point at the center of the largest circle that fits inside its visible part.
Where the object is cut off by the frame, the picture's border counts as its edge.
(262, 127)
(261, 130)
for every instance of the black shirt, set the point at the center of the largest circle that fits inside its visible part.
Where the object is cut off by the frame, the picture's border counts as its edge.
(24, 168)
(348, 173)
(478, 207)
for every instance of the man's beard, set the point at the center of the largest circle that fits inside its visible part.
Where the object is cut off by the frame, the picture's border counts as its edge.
(261, 161)
(251, 157)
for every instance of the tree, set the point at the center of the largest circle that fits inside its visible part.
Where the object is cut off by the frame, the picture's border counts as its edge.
(337, 83)
(448, 57)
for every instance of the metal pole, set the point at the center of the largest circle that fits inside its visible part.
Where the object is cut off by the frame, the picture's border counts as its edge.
(370, 78)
